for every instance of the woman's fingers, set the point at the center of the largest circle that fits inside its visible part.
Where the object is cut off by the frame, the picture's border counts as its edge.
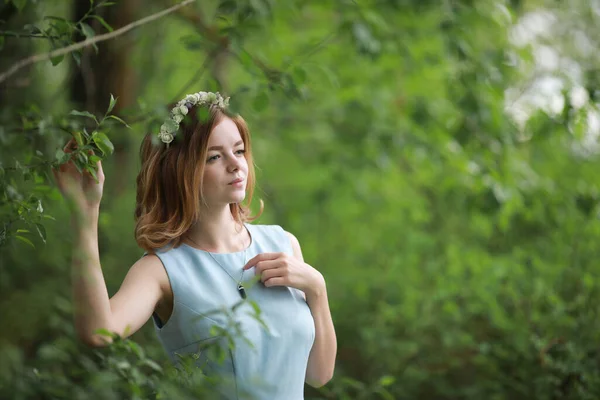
(254, 261)
(269, 273)
(100, 172)
(262, 266)
(276, 281)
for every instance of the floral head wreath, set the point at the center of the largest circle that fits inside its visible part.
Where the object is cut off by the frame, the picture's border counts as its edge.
(171, 125)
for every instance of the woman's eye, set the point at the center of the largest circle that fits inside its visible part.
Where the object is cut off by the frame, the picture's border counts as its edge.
(241, 151)
(213, 158)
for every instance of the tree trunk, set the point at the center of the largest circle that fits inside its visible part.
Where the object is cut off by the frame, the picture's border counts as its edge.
(111, 71)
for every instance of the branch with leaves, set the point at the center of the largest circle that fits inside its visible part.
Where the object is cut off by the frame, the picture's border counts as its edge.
(88, 42)
(27, 213)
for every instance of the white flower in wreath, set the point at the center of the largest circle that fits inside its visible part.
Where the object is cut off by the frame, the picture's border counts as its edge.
(166, 137)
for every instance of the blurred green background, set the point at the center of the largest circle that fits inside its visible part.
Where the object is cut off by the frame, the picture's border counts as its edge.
(437, 160)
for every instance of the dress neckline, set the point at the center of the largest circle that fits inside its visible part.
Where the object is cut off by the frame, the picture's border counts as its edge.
(246, 225)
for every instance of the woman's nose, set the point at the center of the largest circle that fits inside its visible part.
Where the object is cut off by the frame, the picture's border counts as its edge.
(234, 164)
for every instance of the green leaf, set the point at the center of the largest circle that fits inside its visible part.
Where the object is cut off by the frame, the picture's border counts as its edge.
(106, 4)
(22, 230)
(123, 364)
(82, 158)
(87, 30)
(25, 240)
(30, 28)
(61, 27)
(94, 158)
(92, 172)
(135, 348)
(118, 119)
(84, 114)
(61, 156)
(256, 307)
(112, 103)
(53, 18)
(386, 380)
(78, 138)
(57, 60)
(77, 57)
(42, 231)
(104, 332)
(102, 21)
(103, 143)
(152, 364)
(77, 166)
(261, 102)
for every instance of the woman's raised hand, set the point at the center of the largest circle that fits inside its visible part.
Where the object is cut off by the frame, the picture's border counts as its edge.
(79, 188)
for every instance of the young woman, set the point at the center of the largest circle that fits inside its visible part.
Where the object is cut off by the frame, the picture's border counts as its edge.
(202, 258)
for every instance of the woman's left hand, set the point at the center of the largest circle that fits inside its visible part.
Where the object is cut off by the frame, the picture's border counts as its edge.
(280, 269)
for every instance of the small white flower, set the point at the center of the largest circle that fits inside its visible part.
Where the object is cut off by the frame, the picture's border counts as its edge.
(166, 137)
(183, 110)
(178, 118)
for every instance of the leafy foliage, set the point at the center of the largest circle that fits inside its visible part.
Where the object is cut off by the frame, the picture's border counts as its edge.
(457, 225)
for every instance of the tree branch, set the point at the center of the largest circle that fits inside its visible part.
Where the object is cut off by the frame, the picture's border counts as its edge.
(100, 38)
(27, 35)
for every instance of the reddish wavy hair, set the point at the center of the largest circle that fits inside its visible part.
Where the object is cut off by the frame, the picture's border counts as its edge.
(169, 184)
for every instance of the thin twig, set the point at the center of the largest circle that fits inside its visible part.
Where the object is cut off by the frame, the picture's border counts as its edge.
(100, 38)
(27, 35)
(33, 166)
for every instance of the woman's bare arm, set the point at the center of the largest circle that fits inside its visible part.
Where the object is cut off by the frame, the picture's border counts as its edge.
(129, 309)
(321, 361)
(144, 285)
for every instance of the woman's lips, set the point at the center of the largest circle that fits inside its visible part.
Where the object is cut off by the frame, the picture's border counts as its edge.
(237, 183)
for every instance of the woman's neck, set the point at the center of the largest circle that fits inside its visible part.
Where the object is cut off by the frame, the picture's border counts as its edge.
(218, 232)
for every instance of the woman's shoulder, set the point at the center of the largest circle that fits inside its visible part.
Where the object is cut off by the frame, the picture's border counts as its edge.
(149, 266)
(266, 228)
(275, 234)
(149, 261)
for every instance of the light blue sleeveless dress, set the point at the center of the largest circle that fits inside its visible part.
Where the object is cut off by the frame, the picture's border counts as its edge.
(266, 362)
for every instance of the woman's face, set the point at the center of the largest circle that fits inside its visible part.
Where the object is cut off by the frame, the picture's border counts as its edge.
(226, 168)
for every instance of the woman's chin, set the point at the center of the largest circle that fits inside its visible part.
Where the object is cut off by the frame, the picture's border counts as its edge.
(238, 199)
